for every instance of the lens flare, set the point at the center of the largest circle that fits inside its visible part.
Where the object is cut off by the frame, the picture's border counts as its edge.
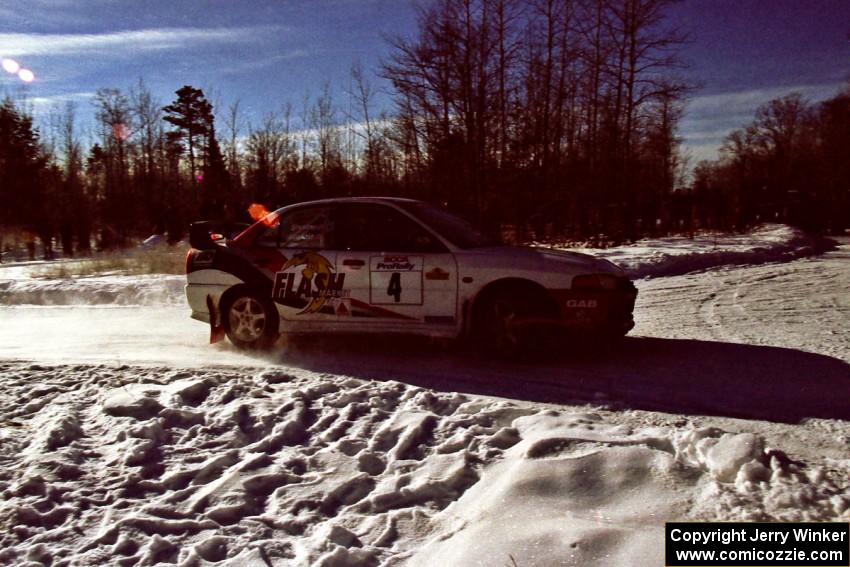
(120, 131)
(11, 66)
(26, 75)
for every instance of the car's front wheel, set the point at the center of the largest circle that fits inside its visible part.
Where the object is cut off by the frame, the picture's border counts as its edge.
(504, 321)
(497, 330)
(250, 322)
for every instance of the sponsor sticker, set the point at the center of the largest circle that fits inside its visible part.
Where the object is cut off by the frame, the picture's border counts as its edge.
(316, 283)
(437, 274)
(582, 303)
(396, 263)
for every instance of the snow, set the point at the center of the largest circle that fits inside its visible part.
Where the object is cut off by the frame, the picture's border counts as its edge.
(676, 255)
(290, 467)
(154, 241)
(726, 457)
(126, 439)
(149, 290)
(803, 305)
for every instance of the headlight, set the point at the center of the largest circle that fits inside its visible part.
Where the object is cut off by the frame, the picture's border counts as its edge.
(596, 282)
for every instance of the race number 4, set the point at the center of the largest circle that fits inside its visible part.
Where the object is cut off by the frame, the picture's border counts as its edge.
(394, 289)
(395, 280)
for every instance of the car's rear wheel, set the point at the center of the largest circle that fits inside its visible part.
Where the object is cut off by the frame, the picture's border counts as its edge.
(250, 322)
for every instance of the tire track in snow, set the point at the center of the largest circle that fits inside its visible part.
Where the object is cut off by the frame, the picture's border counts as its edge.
(804, 304)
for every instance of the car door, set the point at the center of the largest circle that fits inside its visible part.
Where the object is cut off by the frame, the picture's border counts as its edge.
(398, 273)
(306, 285)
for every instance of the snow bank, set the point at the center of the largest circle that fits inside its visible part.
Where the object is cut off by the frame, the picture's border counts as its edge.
(102, 290)
(579, 491)
(136, 466)
(679, 254)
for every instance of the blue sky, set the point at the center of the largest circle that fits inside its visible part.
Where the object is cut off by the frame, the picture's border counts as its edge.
(267, 53)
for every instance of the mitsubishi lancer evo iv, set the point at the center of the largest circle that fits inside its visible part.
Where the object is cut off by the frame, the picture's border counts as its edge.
(388, 265)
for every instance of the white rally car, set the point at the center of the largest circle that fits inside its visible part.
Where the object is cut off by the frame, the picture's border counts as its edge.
(387, 265)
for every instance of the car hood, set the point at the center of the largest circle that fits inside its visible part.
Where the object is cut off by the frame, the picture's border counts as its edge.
(537, 258)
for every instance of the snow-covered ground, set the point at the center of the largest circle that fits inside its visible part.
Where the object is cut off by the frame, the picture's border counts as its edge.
(125, 439)
(676, 255)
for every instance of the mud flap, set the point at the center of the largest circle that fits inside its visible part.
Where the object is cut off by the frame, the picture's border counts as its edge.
(216, 328)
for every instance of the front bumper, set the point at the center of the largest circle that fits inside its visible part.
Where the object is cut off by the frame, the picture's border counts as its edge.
(602, 310)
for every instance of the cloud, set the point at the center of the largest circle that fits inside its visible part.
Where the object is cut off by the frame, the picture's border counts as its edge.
(45, 101)
(739, 102)
(48, 14)
(262, 62)
(702, 136)
(45, 44)
(39, 105)
(710, 118)
(701, 152)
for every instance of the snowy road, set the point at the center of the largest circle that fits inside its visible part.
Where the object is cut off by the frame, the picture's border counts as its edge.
(111, 335)
(802, 305)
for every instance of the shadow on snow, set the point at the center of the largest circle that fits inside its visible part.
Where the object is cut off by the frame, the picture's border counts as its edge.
(670, 375)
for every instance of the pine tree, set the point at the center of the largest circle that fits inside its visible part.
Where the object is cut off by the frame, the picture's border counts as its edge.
(21, 165)
(192, 115)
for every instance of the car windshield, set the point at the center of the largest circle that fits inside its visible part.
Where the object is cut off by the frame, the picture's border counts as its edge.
(456, 230)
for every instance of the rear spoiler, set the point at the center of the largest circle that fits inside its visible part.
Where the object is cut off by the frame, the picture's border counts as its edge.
(204, 235)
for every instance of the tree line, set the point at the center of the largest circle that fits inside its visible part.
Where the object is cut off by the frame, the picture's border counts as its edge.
(790, 164)
(557, 118)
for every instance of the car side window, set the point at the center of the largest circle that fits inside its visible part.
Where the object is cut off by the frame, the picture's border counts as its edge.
(302, 228)
(379, 228)
(269, 236)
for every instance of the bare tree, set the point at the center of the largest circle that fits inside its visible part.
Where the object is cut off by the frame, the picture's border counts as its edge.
(269, 154)
(305, 133)
(324, 123)
(233, 124)
(147, 117)
(112, 110)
